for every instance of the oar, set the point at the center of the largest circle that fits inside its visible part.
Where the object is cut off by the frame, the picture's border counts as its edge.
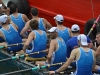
(32, 69)
(21, 56)
(63, 72)
(11, 45)
(94, 25)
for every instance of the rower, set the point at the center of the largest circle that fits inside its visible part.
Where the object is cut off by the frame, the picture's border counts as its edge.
(97, 68)
(18, 18)
(57, 50)
(70, 44)
(9, 32)
(85, 58)
(63, 32)
(38, 38)
(43, 23)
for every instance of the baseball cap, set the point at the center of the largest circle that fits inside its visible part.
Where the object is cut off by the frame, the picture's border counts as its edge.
(75, 27)
(83, 39)
(0, 5)
(3, 18)
(53, 29)
(59, 18)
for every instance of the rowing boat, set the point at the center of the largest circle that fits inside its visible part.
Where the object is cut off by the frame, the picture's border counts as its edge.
(13, 65)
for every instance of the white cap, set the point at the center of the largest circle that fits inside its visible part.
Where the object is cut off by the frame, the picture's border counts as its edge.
(75, 27)
(3, 18)
(0, 5)
(59, 18)
(83, 39)
(53, 29)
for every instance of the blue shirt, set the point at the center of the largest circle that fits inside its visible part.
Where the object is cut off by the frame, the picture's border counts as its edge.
(71, 43)
(18, 21)
(59, 55)
(64, 34)
(41, 25)
(11, 36)
(85, 62)
(38, 44)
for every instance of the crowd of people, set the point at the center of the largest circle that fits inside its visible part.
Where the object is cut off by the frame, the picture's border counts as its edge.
(65, 44)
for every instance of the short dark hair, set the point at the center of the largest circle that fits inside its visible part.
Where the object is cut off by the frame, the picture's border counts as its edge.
(34, 11)
(34, 24)
(13, 8)
(60, 23)
(75, 31)
(98, 33)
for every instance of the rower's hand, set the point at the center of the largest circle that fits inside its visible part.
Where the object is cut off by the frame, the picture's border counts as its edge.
(51, 72)
(5, 45)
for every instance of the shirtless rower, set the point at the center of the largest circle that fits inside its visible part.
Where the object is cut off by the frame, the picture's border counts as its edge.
(85, 58)
(9, 32)
(43, 23)
(57, 50)
(38, 39)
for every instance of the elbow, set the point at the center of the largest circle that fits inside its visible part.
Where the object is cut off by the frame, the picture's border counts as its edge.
(49, 56)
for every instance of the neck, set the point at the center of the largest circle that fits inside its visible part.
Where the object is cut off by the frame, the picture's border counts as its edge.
(34, 16)
(75, 34)
(15, 12)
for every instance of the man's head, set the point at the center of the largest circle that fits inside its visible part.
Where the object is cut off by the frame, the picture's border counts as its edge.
(53, 33)
(34, 24)
(13, 8)
(34, 11)
(3, 19)
(59, 19)
(82, 40)
(75, 28)
(98, 37)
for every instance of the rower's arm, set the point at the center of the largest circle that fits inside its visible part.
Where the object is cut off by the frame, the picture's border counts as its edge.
(24, 30)
(94, 60)
(28, 41)
(70, 32)
(25, 18)
(48, 25)
(51, 50)
(71, 58)
(98, 51)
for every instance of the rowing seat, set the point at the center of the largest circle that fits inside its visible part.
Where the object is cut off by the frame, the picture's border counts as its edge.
(35, 59)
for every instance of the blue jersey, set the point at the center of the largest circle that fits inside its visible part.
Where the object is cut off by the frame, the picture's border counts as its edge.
(11, 36)
(41, 25)
(85, 63)
(71, 43)
(64, 34)
(38, 44)
(18, 21)
(59, 55)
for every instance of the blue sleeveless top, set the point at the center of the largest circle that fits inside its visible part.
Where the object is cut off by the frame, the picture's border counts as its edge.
(59, 55)
(41, 25)
(11, 36)
(38, 44)
(18, 21)
(85, 63)
(64, 34)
